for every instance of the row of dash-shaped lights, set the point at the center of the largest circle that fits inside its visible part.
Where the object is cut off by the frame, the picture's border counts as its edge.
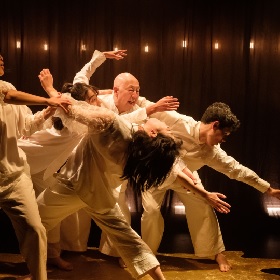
(146, 48)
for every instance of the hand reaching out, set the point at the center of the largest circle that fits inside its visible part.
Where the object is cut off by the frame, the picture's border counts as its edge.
(167, 103)
(49, 112)
(59, 101)
(213, 198)
(273, 192)
(119, 54)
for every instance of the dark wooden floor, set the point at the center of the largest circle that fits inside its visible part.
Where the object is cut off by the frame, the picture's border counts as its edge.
(260, 239)
(253, 248)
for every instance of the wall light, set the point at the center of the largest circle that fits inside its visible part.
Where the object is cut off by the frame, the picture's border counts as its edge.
(252, 45)
(46, 47)
(18, 44)
(116, 49)
(83, 47)
(216, 46)
(184, 44)
(147, 48)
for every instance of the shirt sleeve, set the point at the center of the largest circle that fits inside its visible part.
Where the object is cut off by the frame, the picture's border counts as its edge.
(137, 116)
(85, 118)
(84, 75)
(227, 165)
(34, 122)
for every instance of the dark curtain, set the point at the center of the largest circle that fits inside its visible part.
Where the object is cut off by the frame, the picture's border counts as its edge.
(246, 79)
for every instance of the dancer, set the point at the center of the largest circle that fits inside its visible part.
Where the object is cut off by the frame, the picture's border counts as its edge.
(107, 151)
(17, 198)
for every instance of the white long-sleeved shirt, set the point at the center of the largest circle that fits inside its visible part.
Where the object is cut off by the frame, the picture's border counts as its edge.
(15, 121)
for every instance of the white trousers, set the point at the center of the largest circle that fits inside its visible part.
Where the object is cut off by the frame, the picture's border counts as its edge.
(17, 199)
(106, 246)
(57, 203)
(202, 221)
(72, 233)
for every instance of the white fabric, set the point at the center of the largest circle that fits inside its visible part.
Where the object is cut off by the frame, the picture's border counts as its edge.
(17, 198)
(202, 222)
(207, 241)
(203, 226)
(199, 155)
(47, 150)
(86, 72)
(89, 177)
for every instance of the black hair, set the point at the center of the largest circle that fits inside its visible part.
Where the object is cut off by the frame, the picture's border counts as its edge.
(78, 91)
(221, 112)
(149, 160)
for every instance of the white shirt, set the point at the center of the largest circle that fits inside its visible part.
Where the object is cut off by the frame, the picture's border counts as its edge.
(15, 120)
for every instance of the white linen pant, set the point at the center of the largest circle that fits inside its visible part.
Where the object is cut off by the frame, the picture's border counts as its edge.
(106, 246)
(17, 199)
(57, 203)
(72, 233)
(202, 221)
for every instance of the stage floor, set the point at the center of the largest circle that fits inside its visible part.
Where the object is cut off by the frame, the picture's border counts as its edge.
(92, 265)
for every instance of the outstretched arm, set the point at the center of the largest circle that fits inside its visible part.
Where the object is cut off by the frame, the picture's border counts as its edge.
(84, 75)
(212, 198)
(167, 103)
(23, 98)
(273, 192)
(119, 54)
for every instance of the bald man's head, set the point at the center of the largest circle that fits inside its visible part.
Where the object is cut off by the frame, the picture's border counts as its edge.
(126, 92)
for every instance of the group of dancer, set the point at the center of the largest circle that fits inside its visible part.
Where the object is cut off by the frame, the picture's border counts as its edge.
(77, 157)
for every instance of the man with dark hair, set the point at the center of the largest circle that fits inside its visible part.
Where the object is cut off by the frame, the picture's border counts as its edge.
(201, 140)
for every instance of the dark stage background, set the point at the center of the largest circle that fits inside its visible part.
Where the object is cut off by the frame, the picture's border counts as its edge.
(245, 78)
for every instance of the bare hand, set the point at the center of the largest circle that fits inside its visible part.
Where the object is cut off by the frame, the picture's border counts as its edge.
(213, 198)
(46, 80)
(273, 192)
(59, 101)
(49, 112)
(167, 103)
(119, 54)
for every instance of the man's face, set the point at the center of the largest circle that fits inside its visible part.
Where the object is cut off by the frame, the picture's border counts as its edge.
(126, 95)
(217, 136)
(1, 65)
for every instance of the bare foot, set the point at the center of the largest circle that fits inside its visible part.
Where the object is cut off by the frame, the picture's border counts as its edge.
(121, 263)
(60, 263)
(222, 262)
(25, 277)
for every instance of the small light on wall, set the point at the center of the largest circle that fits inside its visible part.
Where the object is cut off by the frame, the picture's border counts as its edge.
(216, 46)
(46, 47)
(18, 44)
(147, 48)
(252, 45)
(184, 44)
(116, 49)
(83, 47)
